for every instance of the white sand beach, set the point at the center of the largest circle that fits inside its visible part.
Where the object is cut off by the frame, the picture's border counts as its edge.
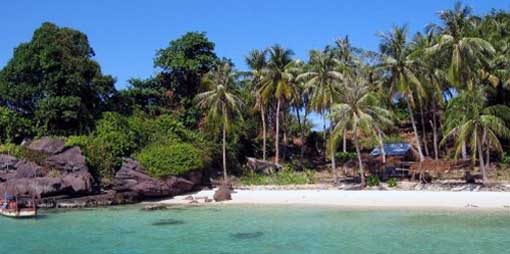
(366, 198)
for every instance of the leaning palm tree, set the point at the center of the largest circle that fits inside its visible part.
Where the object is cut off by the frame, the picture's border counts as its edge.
(221, 104)
(275, 84)
(402, 70)
(359, 109)
(478, 122)
(256, 60)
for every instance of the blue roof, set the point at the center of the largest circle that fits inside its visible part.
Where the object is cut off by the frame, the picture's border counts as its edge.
(393, 149)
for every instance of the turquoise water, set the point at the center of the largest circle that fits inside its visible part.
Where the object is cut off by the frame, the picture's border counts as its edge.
(253, 229)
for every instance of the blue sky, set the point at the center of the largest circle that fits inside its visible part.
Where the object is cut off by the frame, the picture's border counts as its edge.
(126, 34)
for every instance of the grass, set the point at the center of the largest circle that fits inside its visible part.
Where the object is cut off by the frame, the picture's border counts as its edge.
(283, 177)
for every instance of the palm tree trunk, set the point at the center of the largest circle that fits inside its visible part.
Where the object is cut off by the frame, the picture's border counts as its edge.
(264, 133)
(302, 155)
(277, 134)
(358, 152)
(301, 131)
(464, 151)
(487, 147)
(225, 177)
(416, 136)
(480, 158)
(434, 133)
(344, 141)
(424, 131)
(381, 144)
(333, 163)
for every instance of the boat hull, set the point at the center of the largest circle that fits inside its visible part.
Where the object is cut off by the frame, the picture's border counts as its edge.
(22, 213)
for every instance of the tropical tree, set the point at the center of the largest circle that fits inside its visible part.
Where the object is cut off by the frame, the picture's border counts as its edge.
(221, 104)
(360, 109)
(401, 70)
(276, 84)
(467, 53)
(257, 61)
(478, 122)
(322, 82)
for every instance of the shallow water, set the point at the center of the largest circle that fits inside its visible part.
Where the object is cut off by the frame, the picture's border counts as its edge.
(255, 229)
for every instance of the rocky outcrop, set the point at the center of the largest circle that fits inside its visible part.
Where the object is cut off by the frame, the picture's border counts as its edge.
(47, 145)
(133, 181)
(63, 172)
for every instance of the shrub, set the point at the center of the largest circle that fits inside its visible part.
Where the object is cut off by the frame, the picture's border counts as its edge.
(14, 127)
(373, 181)
(505, 158)
(166, 160)
(283, 177)
(392, 182)
(13, 150)
(345, 156)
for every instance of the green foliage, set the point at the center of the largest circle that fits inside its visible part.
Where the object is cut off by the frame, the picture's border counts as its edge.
(184, 62)
(13, 126)
(392, 182)
(12, 149)
(373, 181)
(163, 160)
(505, 158)
(284, 177)
(54, 80)
(345, 156)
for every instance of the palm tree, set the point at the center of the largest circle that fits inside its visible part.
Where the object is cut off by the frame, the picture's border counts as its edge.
(397, 61)
(256, 60)
(359, 109)
(221, 104)
(275, 83)
(478, 122)
(322, 81)
(466, 53)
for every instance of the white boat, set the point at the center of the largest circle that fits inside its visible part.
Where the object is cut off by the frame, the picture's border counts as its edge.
(19, 213)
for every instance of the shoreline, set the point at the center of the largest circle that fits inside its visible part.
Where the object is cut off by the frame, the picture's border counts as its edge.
(372, 199)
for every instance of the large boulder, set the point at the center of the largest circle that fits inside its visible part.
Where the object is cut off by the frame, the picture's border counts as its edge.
(47, 145)
(133, 180)
(61, 171)
(70, 160)
(224, 193)
(262, 166)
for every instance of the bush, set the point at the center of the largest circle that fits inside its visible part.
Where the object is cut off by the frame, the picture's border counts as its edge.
(392, 182)
(345, 156)
(373, 181)
(14, 127)
(283, 177)
(505, 158)
(13, 150)
(163, 160)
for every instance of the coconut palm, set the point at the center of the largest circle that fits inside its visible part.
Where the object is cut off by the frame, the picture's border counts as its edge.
(478, 122)
(359, 109)
(466, 53)
(221, 104)
(275, 83)
(256, 60)
(397, 61)
(322, 79)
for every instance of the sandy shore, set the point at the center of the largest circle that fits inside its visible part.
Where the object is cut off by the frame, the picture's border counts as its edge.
(375, 199)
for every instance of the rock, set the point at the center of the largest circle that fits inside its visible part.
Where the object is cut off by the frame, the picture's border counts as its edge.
(28, 169)
(70, 160)
(80, 182)
(133, 179)
(154, 207)
(7, 162)
(47, 145)
(189, 198)
(223, 193)
(262, 166)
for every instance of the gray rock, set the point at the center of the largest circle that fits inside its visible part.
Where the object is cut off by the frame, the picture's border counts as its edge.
(8, 162)
(262, 166)
(70, 160)
(28, 169)
(223, 193)
(132, 179)
(47, 145)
